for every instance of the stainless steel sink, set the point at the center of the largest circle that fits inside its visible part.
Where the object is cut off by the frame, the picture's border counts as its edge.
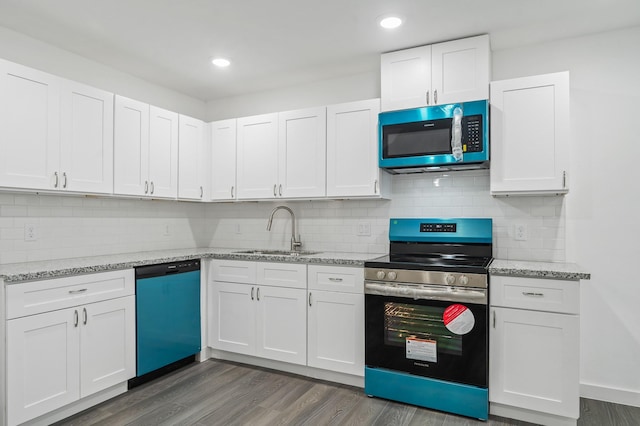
(278, 252)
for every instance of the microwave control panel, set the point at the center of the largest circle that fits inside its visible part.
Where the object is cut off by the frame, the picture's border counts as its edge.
(472, 133)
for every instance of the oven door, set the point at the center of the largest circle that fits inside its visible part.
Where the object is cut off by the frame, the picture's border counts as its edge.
(441, 339)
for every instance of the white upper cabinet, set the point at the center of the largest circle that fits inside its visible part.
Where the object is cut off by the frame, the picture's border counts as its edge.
(352, 149)
(223, 160)
(530, 156)
(163, 153)
(453, 71)
(131, 159)
(258, 156)
(55, 134)
(302, 153)
(192, 173)
(146, 150)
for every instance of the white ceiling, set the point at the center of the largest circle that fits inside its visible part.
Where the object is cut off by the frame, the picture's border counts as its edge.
(277, 43)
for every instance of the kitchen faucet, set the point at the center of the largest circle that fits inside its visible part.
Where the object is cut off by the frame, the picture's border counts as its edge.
(295, 241)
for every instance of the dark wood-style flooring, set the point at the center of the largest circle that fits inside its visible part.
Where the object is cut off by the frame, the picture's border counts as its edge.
(225, 393)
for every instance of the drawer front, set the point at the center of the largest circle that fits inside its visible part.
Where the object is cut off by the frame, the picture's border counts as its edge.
(561, 296)
(344, 279)
(35, 297)
(292, 275)
(233, 271)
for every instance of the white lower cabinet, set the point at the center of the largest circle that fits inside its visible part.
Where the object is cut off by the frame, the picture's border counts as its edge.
(534, 349)
(57, 357)
(264, 314)
(336, 319)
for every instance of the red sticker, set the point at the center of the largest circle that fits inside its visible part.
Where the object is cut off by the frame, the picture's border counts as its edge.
(458, 319)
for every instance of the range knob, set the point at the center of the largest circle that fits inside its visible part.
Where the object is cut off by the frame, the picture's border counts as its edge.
(464, 280)
(380, 275)
(392, 275)
(450, 279)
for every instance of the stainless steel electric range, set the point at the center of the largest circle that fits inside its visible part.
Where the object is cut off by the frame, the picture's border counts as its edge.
(426, 332)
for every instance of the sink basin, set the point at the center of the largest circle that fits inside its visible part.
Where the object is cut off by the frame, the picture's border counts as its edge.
(278, 252)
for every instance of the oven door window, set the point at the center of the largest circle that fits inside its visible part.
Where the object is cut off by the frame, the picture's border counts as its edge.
(416, 139)
(443, 340)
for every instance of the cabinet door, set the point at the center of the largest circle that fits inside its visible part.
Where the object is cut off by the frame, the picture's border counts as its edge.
(86, 146)
(29, 128)
(534, 361)
(530, 156)
(258, 157)
(352, 149)
(131, 147)
(302, 142)
(42, 364)
(232, 319)
(405, 78)
(460, 70)
(336, 331)
(191, 168)
(163, 153)
(281, 324)
(223, 160)
(107, 344)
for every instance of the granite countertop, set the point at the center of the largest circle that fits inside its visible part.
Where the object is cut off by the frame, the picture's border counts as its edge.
(27, 271)
(523, 268)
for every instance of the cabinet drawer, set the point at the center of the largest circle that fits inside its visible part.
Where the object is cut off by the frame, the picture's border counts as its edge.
(336, 278)
(293, 275)
(233, 271)
(561, 296)
(35, 297)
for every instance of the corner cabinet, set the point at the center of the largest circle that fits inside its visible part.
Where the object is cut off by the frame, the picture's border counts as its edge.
(67, 339)
(534, 349)
(55, 134)
(452, 71)
(223, 160)
(192, 170)
(530, 156)
(352, 150)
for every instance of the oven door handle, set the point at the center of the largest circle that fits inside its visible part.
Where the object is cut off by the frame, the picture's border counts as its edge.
(428, 292)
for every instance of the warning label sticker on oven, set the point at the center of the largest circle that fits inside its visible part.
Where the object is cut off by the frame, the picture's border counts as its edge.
(458, 319)
(421, 349)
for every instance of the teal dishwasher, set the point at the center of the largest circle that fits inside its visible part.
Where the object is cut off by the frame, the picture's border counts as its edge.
(167, 318)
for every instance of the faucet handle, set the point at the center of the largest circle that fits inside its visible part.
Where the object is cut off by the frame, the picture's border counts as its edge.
(295, 243)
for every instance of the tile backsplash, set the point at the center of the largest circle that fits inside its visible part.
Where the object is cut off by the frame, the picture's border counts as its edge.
(68, 226)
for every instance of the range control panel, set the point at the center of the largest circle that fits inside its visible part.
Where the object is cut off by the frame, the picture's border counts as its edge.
(438, 227)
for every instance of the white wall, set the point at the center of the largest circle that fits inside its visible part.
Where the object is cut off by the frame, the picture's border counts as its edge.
(33, 53)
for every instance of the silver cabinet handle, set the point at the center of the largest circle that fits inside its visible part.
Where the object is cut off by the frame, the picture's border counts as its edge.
(84, 316)
(335, 280)
(81, 290)
(564, 179)
(280, 190)
(55, 185)
(232, 192)
(64, 176)
(435, 97)
(530, 293)
(275, 194)
(153, 188)
(258, 294)
(201, 192)
(427, 97)
(494, 319)
(375, 186)
(75, 318)
(309, 298)
(251, 293)
(146, 187)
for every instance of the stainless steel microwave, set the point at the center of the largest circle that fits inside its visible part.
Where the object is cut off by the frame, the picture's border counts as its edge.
(442, 137)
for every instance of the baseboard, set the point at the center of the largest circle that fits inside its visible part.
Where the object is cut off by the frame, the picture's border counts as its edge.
(608, 394)
(302, 370)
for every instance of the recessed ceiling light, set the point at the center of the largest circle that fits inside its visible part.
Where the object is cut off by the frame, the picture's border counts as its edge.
(221, 62)
(390, 22)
